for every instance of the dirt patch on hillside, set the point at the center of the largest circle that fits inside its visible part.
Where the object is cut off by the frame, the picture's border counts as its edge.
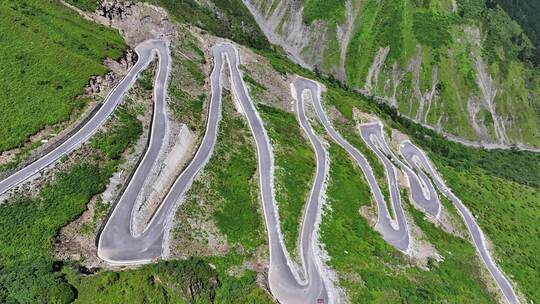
(269, 87)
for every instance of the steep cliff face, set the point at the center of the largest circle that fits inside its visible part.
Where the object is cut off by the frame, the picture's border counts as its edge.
(458, 66)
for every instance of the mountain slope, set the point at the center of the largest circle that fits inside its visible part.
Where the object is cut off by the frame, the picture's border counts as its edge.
(47, 53)
(220, 225)
(461, 67)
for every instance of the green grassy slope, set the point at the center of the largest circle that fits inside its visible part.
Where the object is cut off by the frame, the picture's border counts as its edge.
(526, 14)
(295, 167)
(228, 197)
(442, 37)
(85, 5)
(28, 225)
(47, 55)
(499, 186)
(433, 43)
(187, 281)
(235, 182)
(227, 18)
(508, 212)
(333, 10)
(371, 271)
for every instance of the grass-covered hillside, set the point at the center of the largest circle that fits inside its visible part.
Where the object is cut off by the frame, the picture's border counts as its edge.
(219, 250)
(47, 55)
(466, 67)
(500, 187)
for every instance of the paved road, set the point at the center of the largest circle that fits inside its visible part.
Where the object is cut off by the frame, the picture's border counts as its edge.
(117, 243)
(374, 139)
(416, 158)
(145, 52)
(422, 189)
(423, 193)
(285, 283)
(396, 236)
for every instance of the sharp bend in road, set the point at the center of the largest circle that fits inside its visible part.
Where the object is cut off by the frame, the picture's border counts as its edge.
(145, 52)
(117, 242)
(398, 237)
(284, 281)
(374, 139)
(417, 169)
(118, 245)
(417, 159)
(423, 193)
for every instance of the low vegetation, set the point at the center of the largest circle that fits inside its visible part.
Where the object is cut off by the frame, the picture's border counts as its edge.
(85, 5)
(327, 10)
(235, 182)
(499, 186)
(186, 87)
(295, 167)
(189, 281)
(524, 13)
(225, 18)
(372, 271)
(508, 213)
(48, 54)
(28, 225)
(223, 205)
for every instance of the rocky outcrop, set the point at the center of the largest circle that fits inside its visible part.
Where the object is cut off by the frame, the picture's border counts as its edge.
(104, 83)
(115, 10)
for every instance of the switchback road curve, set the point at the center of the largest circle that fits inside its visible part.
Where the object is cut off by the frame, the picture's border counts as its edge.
(118, 244)
(417, 159)
(284, 281)
(417, 169)
(145, 53)
(396, 236)
(423, 194)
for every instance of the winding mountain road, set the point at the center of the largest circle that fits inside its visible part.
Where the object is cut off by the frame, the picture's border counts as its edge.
(284, 280)
(417, 169)
(145, 52)
(396, 236)
(423, 194)
(417, 159)
(118, 244)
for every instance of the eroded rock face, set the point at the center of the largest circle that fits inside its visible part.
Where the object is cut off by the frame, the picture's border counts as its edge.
(136, 21)
(114, 9)
(103, 83)
(458, 92)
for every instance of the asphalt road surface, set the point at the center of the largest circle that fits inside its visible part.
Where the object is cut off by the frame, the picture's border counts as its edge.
(118, 244)
(417, 169)
(145, 53)
(416, 158)
(284, 281)
(374, 139)
(423, 193)
(396, 236)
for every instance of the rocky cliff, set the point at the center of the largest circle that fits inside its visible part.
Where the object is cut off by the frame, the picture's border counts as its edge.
(462, 67)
